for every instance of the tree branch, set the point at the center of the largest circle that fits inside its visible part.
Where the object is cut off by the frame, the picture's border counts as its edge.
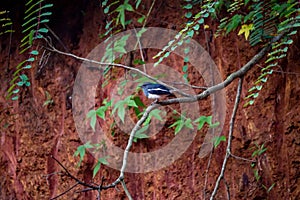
(236, 104)
(53, 49)
(126, 190)
(239, 73)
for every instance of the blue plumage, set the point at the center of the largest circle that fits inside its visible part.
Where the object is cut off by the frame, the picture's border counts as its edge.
(155, 90)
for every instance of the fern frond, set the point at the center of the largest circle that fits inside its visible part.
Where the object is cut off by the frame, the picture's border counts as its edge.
(5, 23)
(36, 15)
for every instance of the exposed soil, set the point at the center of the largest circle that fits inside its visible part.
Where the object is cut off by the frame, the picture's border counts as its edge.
(31, 132)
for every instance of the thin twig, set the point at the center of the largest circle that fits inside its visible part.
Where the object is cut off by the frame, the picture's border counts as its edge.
(141, 50)
(57, 38)
(73, 177)
(65, 192)
(206, 174)
(227, 189)
(241, 158)
(231, 127)
(117, 65)
(126, 190)
(148, 14)
(185, 84)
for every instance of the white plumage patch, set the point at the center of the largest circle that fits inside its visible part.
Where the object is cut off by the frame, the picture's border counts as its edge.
(153, 96)
(157, 89)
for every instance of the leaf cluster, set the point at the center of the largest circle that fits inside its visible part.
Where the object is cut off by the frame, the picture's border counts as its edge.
(36, 15)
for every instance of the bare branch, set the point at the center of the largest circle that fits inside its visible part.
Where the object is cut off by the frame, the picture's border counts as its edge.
(134, 130)
(236, 104)
(73, 177)
(239, 73)
(227, 188)
(141, 50)
(53, 49)
(206, 175)
(241, 158)
(126, 190)
(65, 192)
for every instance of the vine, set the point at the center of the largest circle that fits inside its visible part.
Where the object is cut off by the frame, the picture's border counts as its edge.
(263, 21)
(36, 15)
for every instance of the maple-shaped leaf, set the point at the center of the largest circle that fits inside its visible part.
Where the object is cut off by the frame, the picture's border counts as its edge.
(246, 28)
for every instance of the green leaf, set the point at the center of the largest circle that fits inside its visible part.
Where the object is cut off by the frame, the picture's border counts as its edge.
(187, 50)
(196, 27)
(179, 127)
(206, 15)
(138, 2)
(218, 140)
(20, 83)
(141, 19)
(81, 151)
(27, 67)
(166, 54)
(92, 115)
(188, 124)
(122, 18)
(202, 119)
(14, 98)
(43, 30)
(211, 10)
(101, 112)
(258, 87)
(214, 125)
(186, 59)
(141, 31)
(103, 161)
(138, 62)
(121, 113)
(233, 23)
(131, 103)
(251, 102)
(185, 77)
(30, 39)
(180, 123)
(156, 113)
(185, 68)
(141, 135)
(23, 77)
(128, 7)
(190, 33)
(96, 168)
(15, 91)
(201, 21)
(188, 15)
(255, 95)
(142, 130)
(30, 59)
(120, 49)
(106, 10)
(34, 52)
(188, 6)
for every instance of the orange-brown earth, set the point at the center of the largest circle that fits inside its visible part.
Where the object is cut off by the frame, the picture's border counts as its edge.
(31, 132)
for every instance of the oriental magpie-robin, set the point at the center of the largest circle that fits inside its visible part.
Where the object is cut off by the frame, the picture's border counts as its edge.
(155, 90)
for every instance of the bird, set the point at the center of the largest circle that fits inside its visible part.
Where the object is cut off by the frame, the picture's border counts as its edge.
(155, 90)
